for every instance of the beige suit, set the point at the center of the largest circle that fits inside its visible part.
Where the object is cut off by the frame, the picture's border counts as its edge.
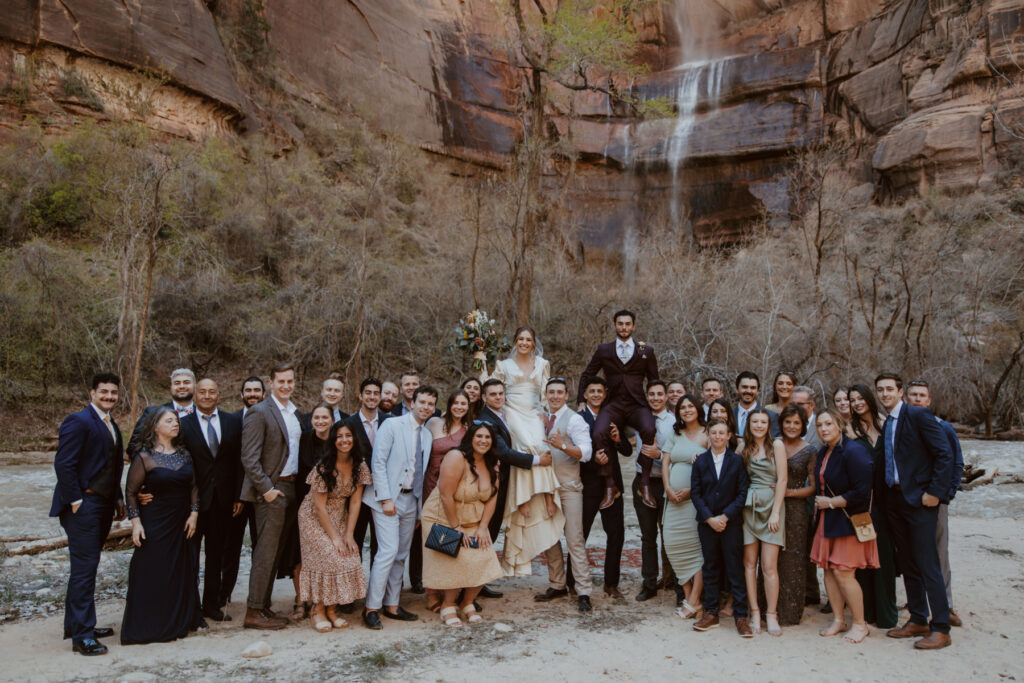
(570, 491)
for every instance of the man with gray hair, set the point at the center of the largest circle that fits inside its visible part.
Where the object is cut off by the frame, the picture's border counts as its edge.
(183, 386)
(803, 396)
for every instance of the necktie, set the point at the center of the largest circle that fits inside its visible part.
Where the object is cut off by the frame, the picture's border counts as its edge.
(211, 435)
(110, 427)
(549, 424)
(371, 430)
(890, 461)
(182, 412)
(623, 355)
(418, 480)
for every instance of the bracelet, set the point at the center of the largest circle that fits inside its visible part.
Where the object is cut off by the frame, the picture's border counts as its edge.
(830, 505)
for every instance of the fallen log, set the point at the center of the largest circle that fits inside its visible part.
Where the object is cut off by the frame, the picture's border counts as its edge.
(981, 481)
(45, 545)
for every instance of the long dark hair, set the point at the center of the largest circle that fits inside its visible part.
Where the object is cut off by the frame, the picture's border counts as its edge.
(679, 427)
(490, 457)
(869, 399)
(775, 395)
(328, 461)
(730, 419)
(474, 406)
(749, 443)
(147, 439)
(448, 419)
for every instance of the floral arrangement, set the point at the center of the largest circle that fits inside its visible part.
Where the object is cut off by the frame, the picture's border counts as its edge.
(478, 336)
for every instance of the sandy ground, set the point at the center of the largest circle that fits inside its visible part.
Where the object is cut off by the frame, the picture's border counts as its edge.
(522, 640)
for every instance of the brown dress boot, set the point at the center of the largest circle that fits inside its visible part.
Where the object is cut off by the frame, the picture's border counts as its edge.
(263, 619)
(611, 492)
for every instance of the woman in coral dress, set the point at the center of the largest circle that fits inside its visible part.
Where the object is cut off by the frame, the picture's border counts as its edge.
(533, 517)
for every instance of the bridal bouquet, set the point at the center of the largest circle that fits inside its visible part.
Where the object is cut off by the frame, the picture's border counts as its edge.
(477, 335)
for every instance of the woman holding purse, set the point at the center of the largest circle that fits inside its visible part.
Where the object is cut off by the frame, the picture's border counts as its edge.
(463, 502)
(843, 476)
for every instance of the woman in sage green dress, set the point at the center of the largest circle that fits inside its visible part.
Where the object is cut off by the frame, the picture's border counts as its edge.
(680, 540)
(763, 516)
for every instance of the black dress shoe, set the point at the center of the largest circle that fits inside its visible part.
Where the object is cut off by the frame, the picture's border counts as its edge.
(418, 588)
(216, 615)
(98, 632)
(550, 594)
(488, 592)
(585, 605)
(202, 625)
(372, 620)
(347, 608)
(89, 647)
(401, 614)
(646, 594)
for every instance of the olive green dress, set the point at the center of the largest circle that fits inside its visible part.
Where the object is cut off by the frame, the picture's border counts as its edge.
(680, 540)
(760, 497)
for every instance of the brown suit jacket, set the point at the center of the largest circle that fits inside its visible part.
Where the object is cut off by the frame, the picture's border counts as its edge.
(264, 449)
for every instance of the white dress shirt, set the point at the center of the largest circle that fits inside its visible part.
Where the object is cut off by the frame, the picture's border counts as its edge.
(578, 432)
(741, 417)
(895, 415)
(624, 349)
(719, 460)
(215, 421)
(291, 423)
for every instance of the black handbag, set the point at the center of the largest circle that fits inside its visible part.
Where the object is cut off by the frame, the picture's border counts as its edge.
(444, 539)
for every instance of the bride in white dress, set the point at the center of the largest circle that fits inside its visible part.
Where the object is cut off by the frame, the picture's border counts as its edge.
(533, 516)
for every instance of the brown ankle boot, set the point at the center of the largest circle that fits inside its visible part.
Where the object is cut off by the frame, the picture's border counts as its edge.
(263, 619)
(610, 494)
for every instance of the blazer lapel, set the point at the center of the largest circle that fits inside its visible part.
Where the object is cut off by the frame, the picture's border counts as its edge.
(278, 417)
(97, 423)
(194, 423)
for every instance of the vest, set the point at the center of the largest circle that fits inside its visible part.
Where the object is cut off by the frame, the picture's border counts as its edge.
(105, 482)
(567, 468)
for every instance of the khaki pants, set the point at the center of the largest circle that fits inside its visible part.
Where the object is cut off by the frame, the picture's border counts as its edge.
(572, 508)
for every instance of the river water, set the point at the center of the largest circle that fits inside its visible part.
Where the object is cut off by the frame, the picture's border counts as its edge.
(26, 490)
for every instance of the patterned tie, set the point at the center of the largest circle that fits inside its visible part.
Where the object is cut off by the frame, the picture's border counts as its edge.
(186, 411)
(549, 424)
(418, 477)
(890, 461)
(623, 355)
(110, 427)
(211, 435)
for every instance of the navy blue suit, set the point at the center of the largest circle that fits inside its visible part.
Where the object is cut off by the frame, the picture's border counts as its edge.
(924, 462)
(714, 495)
(84, 448)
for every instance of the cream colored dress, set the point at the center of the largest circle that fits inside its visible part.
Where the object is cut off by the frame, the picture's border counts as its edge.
(527, 537)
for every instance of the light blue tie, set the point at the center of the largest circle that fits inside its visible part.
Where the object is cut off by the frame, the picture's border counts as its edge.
(890, 444)
(418, 477)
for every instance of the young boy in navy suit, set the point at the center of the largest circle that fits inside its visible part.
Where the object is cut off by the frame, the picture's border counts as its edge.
(718, 488)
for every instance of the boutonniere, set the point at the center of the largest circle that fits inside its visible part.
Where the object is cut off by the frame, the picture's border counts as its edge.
(643, 347)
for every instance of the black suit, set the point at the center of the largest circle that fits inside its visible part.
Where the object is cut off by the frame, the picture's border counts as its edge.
(714, 495)
(355, 423)
(219, 478)
(508, 457)
(924, 463)
(612, 518)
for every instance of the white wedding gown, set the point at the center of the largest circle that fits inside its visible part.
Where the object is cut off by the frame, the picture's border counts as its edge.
(527, 537)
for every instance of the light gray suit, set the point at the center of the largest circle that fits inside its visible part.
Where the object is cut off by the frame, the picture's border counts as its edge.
(264, 454)
(394, 462)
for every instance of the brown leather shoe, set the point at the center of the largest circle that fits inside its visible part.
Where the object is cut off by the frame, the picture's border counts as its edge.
(264, 620)
(908, 630)
(645, 496)
(743, 627)
(954, 619)
(614, 592)
(706, 622)
(611, 493)
(934, 641)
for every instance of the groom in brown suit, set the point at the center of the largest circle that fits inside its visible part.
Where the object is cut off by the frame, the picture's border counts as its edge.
(626, 365)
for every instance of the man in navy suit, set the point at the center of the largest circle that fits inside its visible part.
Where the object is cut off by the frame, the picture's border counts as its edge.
(214, 439)
(918, 394)
(918, 471)
(627, 367)
(88, 463)
(718, 488)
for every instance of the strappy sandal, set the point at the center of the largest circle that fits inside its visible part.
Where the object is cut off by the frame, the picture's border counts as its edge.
(319, 622)
(336, 621)
(434, 602)
(755, 621)
(849, 639)
(450, 617)
(833, 630)
(772, 621)
(471, 615)
(688, 611)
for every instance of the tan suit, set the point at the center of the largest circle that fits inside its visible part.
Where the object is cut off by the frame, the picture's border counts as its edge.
(570, 491)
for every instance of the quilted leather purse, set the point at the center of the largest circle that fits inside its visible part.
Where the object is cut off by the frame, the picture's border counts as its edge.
(444, 539)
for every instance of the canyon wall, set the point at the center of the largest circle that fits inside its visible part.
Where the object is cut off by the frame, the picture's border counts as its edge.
(932, 90)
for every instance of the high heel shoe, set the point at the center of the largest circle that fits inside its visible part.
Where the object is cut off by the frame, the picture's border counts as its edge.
(319, 622)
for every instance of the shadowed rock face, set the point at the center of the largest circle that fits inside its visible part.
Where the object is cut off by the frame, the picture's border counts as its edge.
(930, 86)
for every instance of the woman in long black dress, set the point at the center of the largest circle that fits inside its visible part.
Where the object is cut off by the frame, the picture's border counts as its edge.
(794, 557)
(312, 445)
(163, 597)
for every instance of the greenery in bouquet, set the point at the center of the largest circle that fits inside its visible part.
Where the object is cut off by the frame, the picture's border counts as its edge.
(477, 335)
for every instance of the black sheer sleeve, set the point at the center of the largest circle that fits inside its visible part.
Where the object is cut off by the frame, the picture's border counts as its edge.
(136, 478)
(194, 506)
